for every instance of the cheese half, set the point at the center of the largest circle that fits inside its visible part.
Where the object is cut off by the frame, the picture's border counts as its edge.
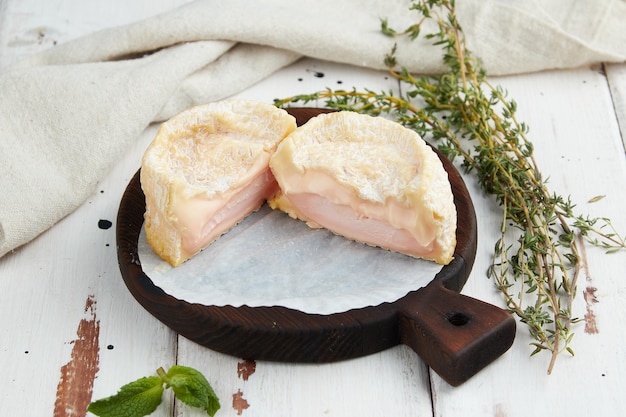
(206, 169)
(370, 180)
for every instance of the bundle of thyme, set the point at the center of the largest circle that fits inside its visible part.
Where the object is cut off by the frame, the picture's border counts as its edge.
(536, 260)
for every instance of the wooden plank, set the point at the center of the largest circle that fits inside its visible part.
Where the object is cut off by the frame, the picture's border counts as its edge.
(393, 382)
(30, 26)
(67, 313)
(578, 146)
(616, 75)
(50, 283)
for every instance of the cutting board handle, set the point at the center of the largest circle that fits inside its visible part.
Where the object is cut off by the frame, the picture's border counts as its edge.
(454, 334)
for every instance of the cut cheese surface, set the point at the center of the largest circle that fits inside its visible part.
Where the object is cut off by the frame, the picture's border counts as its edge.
(206, 169)
(370, 180)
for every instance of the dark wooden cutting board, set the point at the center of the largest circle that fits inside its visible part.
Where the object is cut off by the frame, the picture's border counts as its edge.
(454, 334)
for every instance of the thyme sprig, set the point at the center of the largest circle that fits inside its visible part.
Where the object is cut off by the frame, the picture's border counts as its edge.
(536, 260)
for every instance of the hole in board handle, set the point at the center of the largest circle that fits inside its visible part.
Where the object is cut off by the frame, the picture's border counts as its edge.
(458, 319)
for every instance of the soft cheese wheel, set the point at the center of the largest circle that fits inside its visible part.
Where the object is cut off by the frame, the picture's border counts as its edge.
(206, 169)
(368, 179)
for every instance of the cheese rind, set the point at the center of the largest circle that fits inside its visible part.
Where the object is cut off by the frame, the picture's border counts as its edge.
(370, 180)
(206, 169)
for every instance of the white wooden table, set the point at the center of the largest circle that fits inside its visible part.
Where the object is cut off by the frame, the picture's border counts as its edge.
(70, 331)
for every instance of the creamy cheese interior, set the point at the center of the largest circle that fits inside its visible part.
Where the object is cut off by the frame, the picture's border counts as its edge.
(370, 180)
(341, 219)
(201, 220)
(206, 169)
(317, 199)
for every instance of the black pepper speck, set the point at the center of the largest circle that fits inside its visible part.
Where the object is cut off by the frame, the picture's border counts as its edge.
(104, 224)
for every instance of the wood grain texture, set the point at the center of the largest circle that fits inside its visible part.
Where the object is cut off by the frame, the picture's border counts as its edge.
(579, 149)
(616, 77)
(573, 117)
(27, 27)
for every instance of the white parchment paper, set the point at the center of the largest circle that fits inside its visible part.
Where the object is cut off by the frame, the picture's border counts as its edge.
(270, 259)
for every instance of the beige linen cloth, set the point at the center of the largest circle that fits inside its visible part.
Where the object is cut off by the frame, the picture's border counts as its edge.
(66, 115)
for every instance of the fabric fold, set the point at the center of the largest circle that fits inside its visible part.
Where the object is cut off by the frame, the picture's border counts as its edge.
(68, 113)
(218, 80)
(61, 128)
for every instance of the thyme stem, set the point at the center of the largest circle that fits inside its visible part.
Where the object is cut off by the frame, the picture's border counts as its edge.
(536, 260)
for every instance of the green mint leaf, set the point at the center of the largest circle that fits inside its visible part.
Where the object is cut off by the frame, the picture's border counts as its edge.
(136, 399)
(192, 388)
